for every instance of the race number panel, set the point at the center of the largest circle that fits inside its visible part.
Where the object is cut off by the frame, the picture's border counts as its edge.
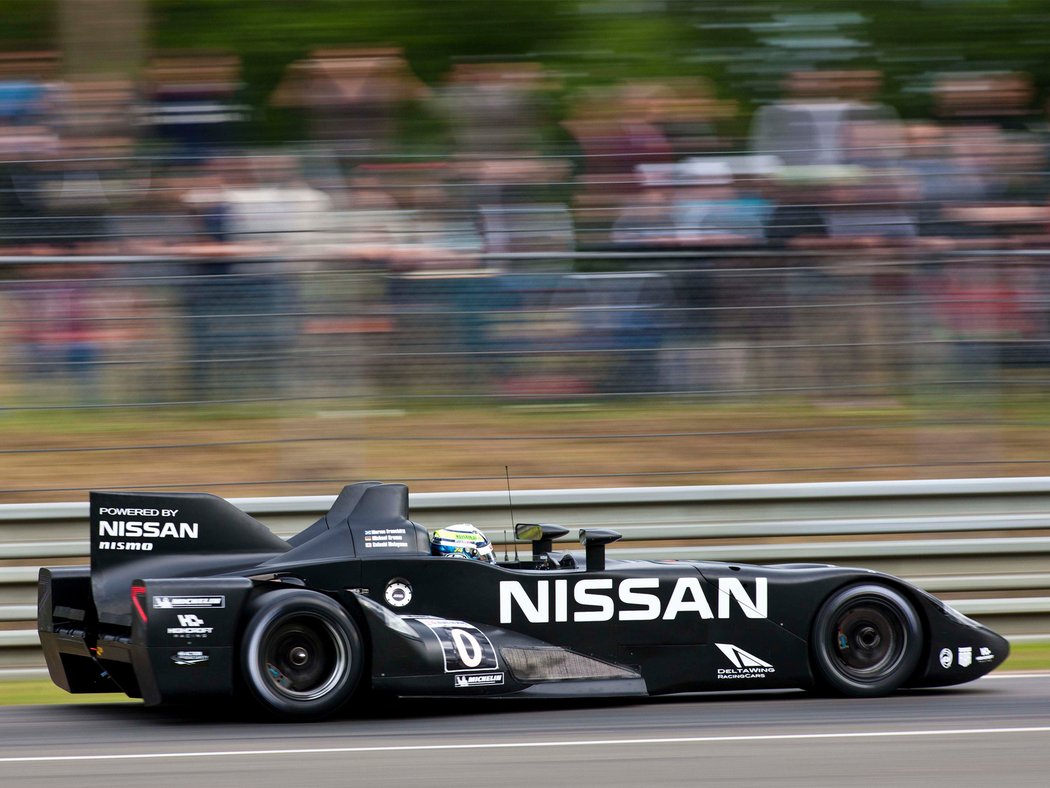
(465, 647)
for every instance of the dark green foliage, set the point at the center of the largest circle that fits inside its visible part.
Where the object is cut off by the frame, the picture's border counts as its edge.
(744, 47)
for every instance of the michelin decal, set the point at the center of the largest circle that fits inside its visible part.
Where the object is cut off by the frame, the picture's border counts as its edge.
(466, 680)
(163, 602)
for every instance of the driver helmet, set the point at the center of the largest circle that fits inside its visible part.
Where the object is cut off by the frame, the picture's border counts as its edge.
(462, 540)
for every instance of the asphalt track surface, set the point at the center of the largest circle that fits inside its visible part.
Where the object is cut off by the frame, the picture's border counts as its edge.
(992, 733)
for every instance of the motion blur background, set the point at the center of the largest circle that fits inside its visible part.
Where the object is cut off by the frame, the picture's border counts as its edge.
(272, 247)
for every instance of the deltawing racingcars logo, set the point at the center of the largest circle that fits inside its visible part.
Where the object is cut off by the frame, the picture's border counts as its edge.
(746, 666)
(632, 599)
(183, 602)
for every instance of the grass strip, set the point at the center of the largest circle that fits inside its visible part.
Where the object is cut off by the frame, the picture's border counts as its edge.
(36, 692)
(1028, 656)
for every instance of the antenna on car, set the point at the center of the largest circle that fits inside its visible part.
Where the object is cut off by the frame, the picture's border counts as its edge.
(510, 502)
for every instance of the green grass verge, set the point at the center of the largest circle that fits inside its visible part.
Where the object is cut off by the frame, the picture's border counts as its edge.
(41, 691)
(1023, 657)
(1028, 656)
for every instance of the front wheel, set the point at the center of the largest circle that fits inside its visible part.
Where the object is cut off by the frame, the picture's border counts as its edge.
(866, 641)
(301, 654)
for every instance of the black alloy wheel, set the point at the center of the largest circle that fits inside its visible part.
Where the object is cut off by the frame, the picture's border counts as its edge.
(301, 654)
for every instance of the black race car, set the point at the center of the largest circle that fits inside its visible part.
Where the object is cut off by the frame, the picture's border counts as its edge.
(189, 599)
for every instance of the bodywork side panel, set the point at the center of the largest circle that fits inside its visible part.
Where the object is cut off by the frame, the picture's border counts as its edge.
(187, 646)
(663, 622)
(65, 617)
(955, 649)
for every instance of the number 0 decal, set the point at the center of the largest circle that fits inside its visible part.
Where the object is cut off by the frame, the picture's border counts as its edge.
(465, 647)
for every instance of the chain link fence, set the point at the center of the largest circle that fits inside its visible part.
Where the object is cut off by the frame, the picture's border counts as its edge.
(299, 318)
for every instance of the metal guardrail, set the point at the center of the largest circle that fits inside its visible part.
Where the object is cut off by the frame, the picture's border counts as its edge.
(982, 543)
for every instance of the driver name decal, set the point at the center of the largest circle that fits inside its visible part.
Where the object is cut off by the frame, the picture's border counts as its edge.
(631, 599)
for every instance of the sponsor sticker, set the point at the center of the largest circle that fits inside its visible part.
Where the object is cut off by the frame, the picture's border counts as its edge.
(184, 602)
(150, 529)
(985, 654)
(123, 512)
(190, 626)
(965, 656)
(479, 680)
(630, 599)
(142, 547)
(745, 665)
(189, 657)
(947, 658)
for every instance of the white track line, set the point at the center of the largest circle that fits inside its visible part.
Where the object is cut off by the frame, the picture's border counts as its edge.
(1007, 675)
(524, 745)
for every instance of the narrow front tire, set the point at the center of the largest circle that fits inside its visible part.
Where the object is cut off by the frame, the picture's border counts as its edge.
(866, 641)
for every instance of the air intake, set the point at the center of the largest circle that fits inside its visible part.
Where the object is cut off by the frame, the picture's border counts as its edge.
(530, 665)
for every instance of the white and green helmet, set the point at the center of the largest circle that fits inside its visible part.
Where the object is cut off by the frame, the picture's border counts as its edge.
(462, 540)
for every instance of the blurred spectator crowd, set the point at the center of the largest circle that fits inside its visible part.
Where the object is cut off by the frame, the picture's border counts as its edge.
(613, 240)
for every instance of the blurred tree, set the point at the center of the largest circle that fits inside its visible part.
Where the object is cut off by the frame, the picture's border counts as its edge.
(102, 37)
(434, 33)
(746, 48)
(29, 24)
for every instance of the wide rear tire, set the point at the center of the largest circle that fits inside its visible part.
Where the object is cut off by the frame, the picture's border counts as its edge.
(866, 641)
(301, 654)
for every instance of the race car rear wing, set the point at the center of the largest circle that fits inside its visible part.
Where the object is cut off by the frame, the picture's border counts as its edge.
(137, 534)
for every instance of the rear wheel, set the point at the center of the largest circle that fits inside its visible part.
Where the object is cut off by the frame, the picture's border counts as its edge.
(301, 655)
(866, 641)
